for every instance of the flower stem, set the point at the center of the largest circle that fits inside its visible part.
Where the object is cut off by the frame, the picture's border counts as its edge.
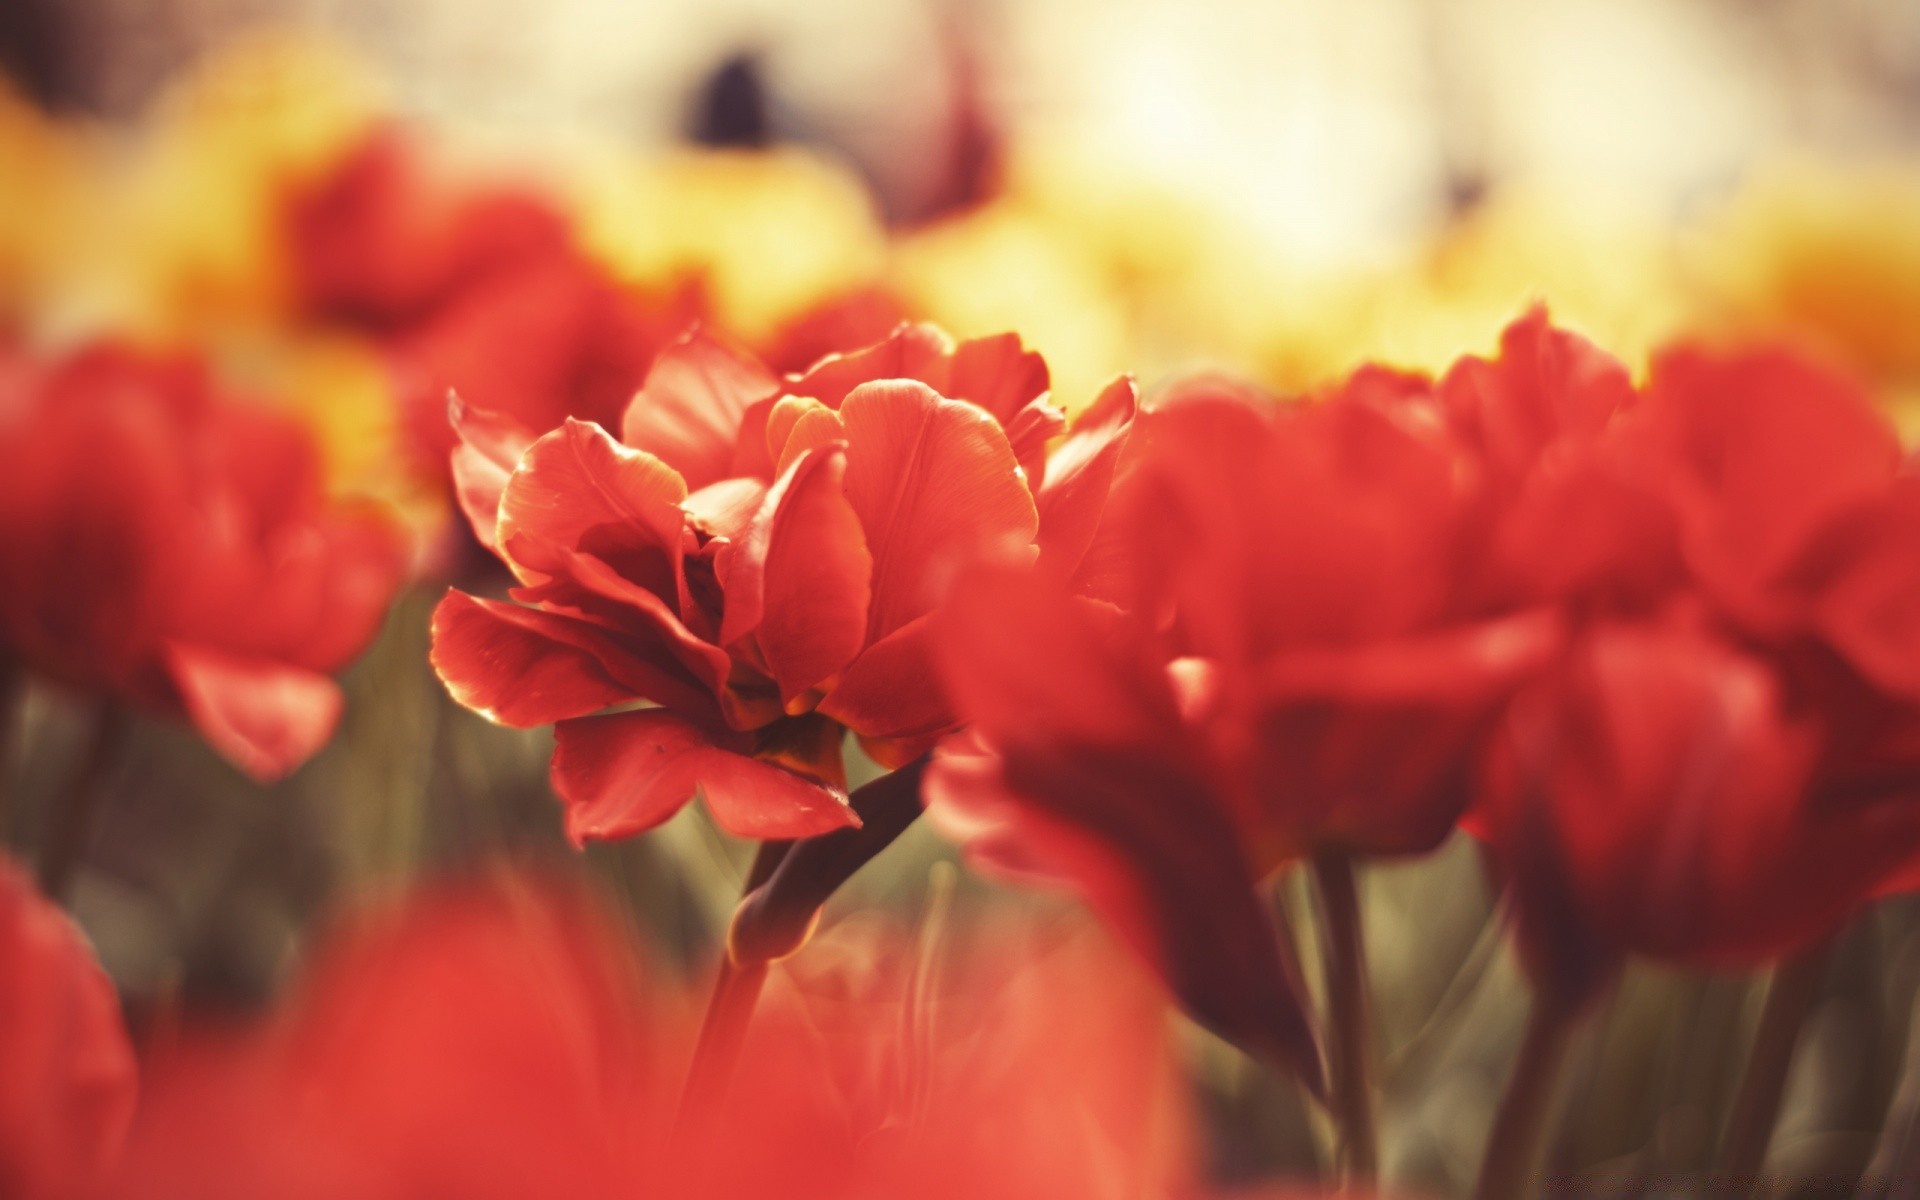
(1790, 997)
(1514, 1145)
(70, 820)
(736, 991)
(1349, 1017)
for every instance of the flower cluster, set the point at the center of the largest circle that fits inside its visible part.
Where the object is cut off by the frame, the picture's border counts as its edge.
(1655, 643)
(173, 547)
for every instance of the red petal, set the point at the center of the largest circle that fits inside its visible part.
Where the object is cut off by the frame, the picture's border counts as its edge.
(1761, 451)
(935, 485)
(1872, 610)
(1079, 476)
(67, 1090)
(1141, 839)
(264, 717)
(624, 774)
(799, 578)
(1029, 432)
(998, 374)
(1548, 386)
(910, 352)
(583, 586)
(525, 668)
(1021, 659)
(489, 449)
(797, 424)
(688, 412)
(890, 690)
(723, 509)
(577, 480)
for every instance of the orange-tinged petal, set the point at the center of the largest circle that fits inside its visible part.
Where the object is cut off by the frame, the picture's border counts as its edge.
(578, 481)
(797, 424)
(936, 486)
(623, 774)
(798, 579)
(264, 717)
(489, 449)
(688, 412)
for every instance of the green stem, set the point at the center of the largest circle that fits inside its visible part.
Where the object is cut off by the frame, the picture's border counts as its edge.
(1790, 998)
(1349, 1017)
(1513, 1147)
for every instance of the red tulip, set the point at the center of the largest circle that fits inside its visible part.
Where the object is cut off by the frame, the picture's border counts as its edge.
(761, 560)
(1718, 774)
(478, 288)
(1298, 676)
(173, 548)
(499, 1041)
(482, 1041)
(67, 1078)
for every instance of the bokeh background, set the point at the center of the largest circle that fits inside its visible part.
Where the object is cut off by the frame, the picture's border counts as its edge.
(1280, 189)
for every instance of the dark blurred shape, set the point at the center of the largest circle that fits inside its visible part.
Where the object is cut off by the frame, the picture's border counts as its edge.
(731, 110)
(974, 140)
(35, 52)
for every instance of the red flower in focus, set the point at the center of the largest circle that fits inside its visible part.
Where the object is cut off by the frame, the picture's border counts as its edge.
(1299, 677)
(761, 560)
(173, 547)
(500, 1041)
(1723, 769)
(67, 1078)
(476, 288)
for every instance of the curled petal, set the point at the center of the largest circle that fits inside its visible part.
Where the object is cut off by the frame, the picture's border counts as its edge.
(584, 586)
(797, 424)
(625, 773)
(525, 668)
(935, 485)
(688, 412)
(798, 579)
(578, 481)
(489, 448)
(264, 717)
(1029, 432)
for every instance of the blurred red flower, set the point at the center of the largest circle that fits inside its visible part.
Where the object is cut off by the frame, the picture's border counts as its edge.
(1293, 671)
(496, 1040)
(1725, 766)
(67, 1075)
(760, 558)
(173, 547)
(475, 287)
